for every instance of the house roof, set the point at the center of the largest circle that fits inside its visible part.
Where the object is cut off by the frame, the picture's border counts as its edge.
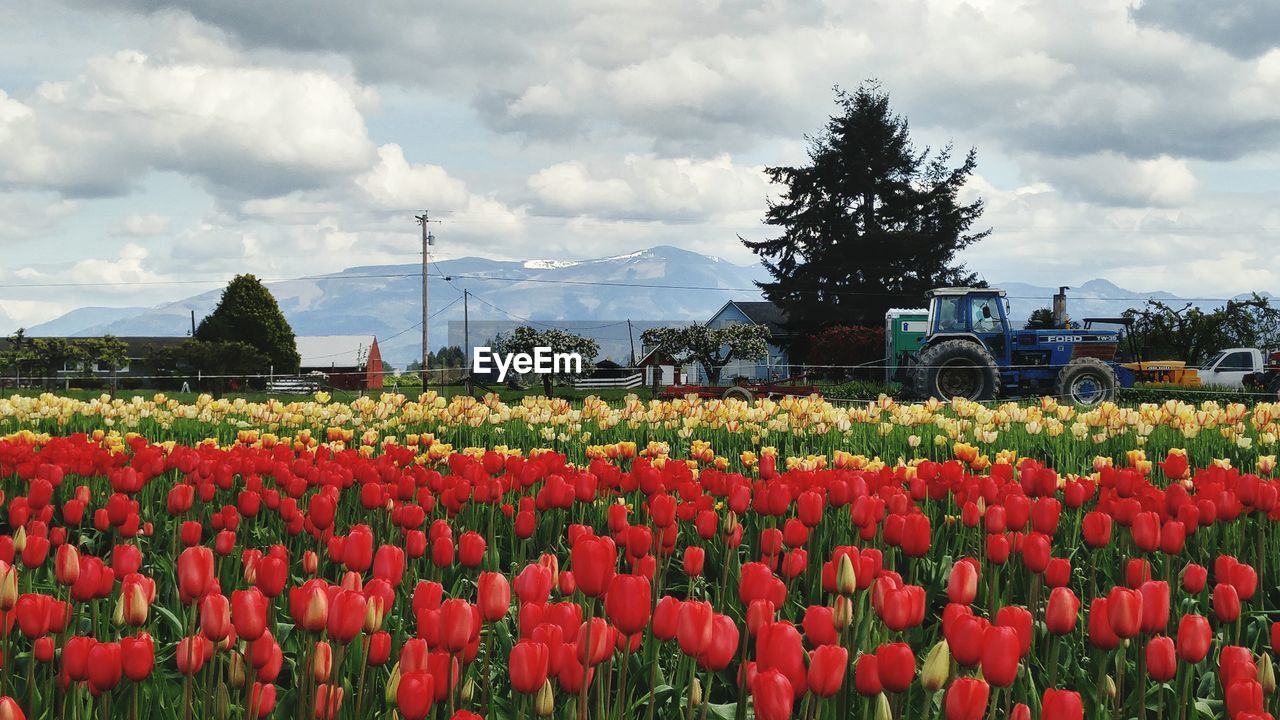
(322, 351)
(764, 314)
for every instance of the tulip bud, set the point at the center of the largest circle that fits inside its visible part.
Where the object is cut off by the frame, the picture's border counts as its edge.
(222, 701)
(545, 703)
(883, 711)
(134, 606)
(468, 690)
(20, 539)
(393, 684)
(937, 667)
(8, 587)
(842, 613)
(1267, 674)
(846, 577)
(730, 524)
(117, 617)
(235, 672)
(695, 692)
(1109, 687)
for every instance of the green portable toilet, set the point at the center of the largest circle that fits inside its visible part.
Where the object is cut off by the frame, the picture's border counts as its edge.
(904, 330)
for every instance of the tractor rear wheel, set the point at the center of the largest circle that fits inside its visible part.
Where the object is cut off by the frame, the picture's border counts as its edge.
(1085, 381)
(738, 393)
(956, 368)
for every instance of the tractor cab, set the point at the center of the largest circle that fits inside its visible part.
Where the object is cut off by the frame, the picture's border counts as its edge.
(975, 313)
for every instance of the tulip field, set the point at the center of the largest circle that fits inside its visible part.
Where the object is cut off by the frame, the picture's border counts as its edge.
(691, 559)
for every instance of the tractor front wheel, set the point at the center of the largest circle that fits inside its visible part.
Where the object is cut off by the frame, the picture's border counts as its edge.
(1086, 381)
(956, 368)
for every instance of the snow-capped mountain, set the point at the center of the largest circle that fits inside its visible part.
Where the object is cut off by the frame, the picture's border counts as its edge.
(649, 286)
(660, 285)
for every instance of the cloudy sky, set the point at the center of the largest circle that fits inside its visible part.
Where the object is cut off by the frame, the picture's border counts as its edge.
(159, 145)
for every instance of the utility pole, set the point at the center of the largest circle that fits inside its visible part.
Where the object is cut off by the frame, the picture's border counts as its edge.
(193, 324)
(427, 241)
(466, 332)
(631, 338)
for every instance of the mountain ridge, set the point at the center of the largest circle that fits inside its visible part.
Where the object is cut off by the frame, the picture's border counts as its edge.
(657, 285)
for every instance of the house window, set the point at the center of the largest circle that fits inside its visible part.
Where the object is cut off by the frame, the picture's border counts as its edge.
(105, 368)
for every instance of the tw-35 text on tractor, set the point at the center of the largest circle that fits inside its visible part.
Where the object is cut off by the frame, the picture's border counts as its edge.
(970, 351)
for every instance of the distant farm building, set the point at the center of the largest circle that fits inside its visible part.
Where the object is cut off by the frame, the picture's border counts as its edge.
(351, 362)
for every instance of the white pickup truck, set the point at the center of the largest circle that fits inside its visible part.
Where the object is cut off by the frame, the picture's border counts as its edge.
(1229, 367)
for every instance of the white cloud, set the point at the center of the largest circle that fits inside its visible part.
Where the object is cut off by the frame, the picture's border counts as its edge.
(650, 187)
(1111, 179)
(238, 129)
(145, 225)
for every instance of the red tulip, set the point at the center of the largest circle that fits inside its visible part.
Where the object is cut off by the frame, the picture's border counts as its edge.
(528, 665)
(455, 624)
(594, 561)
(1018, 618)
(346, 615)
(138, 656)
(779, 647)
(1226, 603)
(896, 664)
(1194, 578)
(66, 564)
(493, 596)
(329, 701)
(32, 612)
(104, 666)
(415, 695)
(249, 613)
(1062, 612)
(215, 617)
(866, 676)
(694, 561)
(1155, 606)
(1096, 528)
(471, 547)
(1000, 655)
(719, 652)
(665, 618)
(772, 695)
(628, 603)
(693, 626)
(533, 584)
(1243, 696)
(1124, 611)
(10, 709)
(1061, 705)
(262, 699)
(1162, 660)
(1195, 638)
(195, 573)
(827, 666)
(966, 699)
(272, 574)
(962, 584)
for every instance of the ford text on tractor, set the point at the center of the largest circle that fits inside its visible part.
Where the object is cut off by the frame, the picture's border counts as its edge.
(971, 352)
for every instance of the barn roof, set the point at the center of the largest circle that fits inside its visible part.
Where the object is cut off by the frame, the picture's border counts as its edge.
(322, 351)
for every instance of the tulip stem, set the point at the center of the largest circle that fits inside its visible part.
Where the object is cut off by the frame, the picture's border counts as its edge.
(1053, 663)
(586, 667)
(621, 702)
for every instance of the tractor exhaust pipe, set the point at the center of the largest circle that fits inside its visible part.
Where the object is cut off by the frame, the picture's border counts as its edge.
(1060, 307)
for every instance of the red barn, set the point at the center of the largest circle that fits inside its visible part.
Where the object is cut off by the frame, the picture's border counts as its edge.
(351, 362)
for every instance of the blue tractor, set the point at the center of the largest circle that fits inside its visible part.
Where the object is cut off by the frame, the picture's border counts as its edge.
(970, 351)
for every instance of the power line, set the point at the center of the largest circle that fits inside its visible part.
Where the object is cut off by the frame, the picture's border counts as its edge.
(586, 283)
